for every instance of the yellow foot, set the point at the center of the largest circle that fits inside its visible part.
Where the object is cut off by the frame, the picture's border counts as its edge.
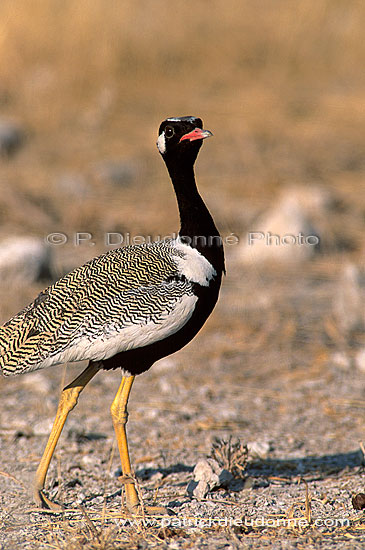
(43, 502)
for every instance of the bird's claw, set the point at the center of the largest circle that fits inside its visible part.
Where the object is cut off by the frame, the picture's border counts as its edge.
(44, 502)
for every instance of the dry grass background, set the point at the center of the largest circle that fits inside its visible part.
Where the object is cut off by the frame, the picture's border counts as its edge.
(281, 84)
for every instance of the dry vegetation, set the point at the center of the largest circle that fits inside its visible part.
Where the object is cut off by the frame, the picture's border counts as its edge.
(281, 84)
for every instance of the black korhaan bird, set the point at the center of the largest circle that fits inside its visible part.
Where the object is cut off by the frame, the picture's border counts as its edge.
(126, 308)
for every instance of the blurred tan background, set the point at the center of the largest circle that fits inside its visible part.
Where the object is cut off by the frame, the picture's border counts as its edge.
(281, 83)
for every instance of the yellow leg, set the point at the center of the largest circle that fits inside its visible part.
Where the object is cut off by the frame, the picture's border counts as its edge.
(67, 402)
(119, 413)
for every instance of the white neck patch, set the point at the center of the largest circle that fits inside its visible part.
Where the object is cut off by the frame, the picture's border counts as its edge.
(161, 143)
(194, 265)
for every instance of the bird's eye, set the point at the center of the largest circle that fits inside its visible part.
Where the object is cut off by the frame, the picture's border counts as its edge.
(169, 131)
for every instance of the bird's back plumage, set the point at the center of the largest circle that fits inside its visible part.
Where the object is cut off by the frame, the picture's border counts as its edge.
(133, 295)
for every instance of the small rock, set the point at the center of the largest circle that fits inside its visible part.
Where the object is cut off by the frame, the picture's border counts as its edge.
(358, 501)
(165, 385)
(205, 470)
(248, 483)
(73, 482)
(87, 460)
(341, 360)
(349, 298)
(198, 489)
(165, 364)
(155, 478)
(37, 382)
(80, 498)
(43, 427)
(152, 413)
(259, 449)
(208, 475)
(74, 185)
(11, 138)
(24, 260)
(26, 432)
(288, 231)
(360, 360)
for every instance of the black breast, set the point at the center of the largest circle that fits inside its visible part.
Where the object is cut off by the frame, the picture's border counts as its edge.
(141, 359)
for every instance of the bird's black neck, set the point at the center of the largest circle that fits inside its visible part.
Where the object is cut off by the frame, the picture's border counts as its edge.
(197, 225)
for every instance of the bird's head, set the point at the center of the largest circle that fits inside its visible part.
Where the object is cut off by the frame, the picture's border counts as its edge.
(181, 138)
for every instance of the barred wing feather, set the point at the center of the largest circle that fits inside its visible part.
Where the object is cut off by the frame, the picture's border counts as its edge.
(127, 298)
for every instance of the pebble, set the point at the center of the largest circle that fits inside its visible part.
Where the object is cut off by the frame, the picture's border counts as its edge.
(80, 498)
(11, 138)
(72, 184)
(341, 360)
(360, 360)
(43, 427)
(37, 382)
(348, 301)
(24, 260)
(208, 475)
(259, 449)
(155, 478)
(288, 231)
(88, 459)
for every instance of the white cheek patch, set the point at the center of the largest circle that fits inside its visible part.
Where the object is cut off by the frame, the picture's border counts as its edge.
(161, 143)
(194, 265)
